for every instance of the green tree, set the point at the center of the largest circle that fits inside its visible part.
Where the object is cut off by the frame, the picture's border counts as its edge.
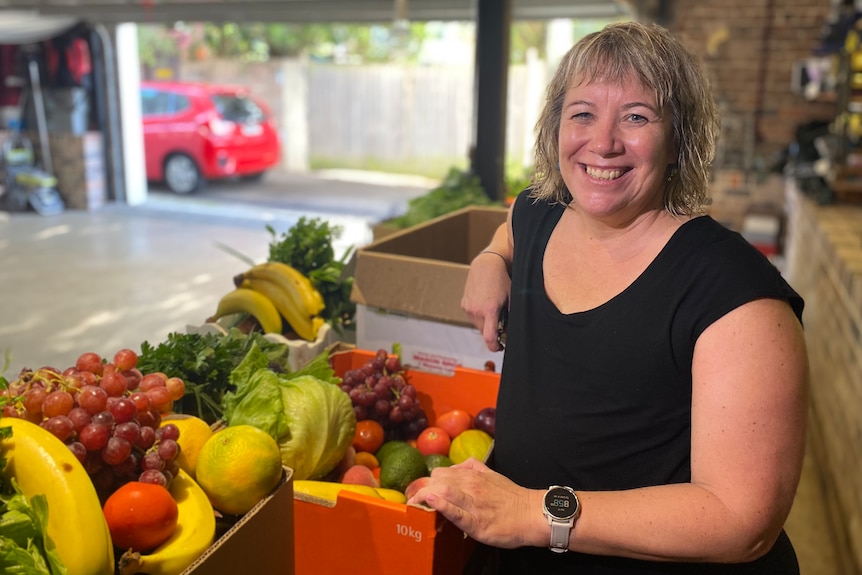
(366, 43)
(157, 44)
(526, 34)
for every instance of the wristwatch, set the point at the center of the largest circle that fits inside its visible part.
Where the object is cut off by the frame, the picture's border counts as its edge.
(562, 508)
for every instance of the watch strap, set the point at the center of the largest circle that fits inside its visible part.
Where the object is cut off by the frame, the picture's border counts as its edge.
(560, 530)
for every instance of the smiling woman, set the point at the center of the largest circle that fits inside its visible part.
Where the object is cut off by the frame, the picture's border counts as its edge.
(617, 399)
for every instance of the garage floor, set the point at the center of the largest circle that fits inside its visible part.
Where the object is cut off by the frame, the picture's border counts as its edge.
(112, 278)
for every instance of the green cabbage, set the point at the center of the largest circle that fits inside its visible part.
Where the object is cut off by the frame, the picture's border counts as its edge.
(306, 412)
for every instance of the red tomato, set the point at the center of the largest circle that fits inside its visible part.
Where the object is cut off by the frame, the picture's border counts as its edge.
(454, 422)
(433, 441)
(368, 436)
(140, 516)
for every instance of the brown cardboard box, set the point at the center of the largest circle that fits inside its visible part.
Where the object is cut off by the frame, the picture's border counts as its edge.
(408, 287)
(383, 229)
(260, 542)
(421, 271)
(78, 162)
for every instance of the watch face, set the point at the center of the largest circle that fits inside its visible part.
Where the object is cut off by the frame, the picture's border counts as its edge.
(561, 503)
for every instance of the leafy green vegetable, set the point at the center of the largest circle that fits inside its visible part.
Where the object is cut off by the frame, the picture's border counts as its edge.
(308, 247)
(25, 546)
(459, 189)
(306, 412)
(205, 362)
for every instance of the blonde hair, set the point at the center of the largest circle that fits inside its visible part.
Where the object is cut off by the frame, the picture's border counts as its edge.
(659, 62)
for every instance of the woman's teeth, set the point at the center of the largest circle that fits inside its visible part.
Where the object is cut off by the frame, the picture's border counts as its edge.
(604, 174)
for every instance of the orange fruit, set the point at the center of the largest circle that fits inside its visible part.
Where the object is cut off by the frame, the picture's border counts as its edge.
(454, 422)
(367, 459)
(368, 436)
(140, 516)
(194, 432)
(237, 467)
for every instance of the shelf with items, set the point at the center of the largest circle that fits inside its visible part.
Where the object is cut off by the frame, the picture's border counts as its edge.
(845, 173)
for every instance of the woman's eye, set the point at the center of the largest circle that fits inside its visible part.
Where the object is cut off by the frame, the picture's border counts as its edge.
(637, 118)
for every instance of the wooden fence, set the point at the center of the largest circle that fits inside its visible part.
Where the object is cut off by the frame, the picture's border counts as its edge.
(413, 119)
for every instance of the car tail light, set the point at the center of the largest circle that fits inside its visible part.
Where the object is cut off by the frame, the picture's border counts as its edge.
(221, 127)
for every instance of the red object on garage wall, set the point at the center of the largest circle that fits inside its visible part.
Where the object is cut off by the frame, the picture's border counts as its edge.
(9, 95)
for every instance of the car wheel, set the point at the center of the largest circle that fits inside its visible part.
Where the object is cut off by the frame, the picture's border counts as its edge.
(255, 177)
(182, 175)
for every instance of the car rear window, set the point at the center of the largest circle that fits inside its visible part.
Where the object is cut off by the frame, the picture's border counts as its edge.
(238, 109)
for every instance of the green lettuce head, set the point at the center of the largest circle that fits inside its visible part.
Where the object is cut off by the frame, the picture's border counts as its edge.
(309, 416)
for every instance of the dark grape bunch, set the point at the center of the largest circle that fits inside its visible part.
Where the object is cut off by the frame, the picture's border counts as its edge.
(380, 391)
(109, 414)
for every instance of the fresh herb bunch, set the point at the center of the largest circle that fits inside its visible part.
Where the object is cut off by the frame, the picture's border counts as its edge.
(459, 189)
(205, 361)
(308, 247)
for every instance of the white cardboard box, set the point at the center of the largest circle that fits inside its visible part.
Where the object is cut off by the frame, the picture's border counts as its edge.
(427, 345)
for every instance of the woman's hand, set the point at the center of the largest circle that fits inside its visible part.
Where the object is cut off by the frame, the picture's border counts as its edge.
(484, 504)
(485, 293)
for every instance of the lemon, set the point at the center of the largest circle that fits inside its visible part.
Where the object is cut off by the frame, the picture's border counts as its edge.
(194, 432)
(237, 467)
(471, 443)
(402, 466)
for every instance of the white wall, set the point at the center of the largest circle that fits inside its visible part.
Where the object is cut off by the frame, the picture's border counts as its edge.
(129, 93)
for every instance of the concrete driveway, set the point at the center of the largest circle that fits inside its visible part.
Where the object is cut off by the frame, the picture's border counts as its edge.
(114, 277)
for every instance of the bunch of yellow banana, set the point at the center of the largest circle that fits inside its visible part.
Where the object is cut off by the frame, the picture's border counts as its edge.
(249, 301)
(194, 533)
(42, 464)
(271, 291)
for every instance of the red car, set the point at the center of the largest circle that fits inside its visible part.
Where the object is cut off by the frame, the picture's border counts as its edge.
(194, 132)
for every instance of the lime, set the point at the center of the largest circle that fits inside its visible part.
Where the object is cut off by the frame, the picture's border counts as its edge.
(436, 460)
(402, 466)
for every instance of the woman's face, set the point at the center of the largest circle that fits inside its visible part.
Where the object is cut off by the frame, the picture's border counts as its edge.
(615, 148)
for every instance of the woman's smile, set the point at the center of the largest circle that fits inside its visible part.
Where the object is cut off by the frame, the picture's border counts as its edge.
(604, 173)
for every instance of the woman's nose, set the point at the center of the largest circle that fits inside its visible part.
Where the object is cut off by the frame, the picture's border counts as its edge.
(605, 139)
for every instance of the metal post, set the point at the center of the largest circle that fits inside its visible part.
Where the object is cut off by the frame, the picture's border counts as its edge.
(493, 23)
(41, 121)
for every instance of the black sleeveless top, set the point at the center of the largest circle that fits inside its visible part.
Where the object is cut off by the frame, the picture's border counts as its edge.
(601, 399)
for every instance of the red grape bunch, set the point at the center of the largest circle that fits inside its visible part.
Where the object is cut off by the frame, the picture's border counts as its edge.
(109, 415)
(380, 391)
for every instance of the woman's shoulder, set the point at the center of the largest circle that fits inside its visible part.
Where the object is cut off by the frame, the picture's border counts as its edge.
(704, 232)
(529, 210)
(726, 262)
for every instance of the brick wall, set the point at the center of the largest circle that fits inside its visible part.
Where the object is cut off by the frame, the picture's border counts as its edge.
(748, 48)
(824, 263)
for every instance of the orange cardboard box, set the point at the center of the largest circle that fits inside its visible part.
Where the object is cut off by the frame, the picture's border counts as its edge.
(364, 536)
